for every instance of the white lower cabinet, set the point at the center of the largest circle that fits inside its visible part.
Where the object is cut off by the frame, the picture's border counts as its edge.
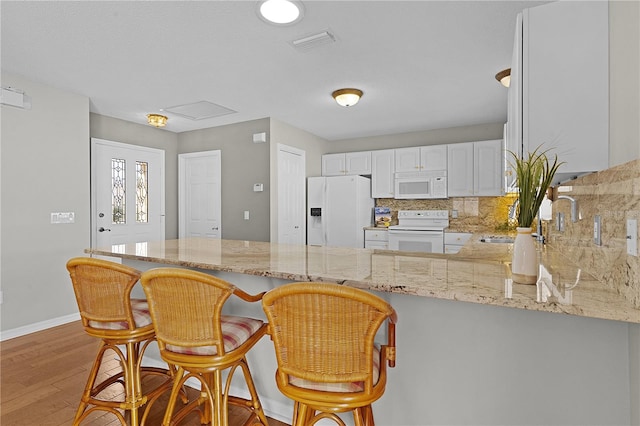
(376, 239)
(453, 241)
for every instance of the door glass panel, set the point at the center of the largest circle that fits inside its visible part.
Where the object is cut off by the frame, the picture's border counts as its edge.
(118, 191)
(141, 192)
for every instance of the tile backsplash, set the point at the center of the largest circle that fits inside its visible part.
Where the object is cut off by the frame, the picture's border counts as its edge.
(613, 194)
(475, 214)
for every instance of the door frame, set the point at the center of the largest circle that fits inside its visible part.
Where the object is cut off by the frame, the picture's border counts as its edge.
(94, 203)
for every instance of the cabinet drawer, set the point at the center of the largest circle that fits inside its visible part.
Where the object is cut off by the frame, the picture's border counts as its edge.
(374, 235)
(380, 245)
(456, 238)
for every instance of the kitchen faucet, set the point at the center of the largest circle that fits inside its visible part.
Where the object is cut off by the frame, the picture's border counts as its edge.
(513, 210)
(574, 206)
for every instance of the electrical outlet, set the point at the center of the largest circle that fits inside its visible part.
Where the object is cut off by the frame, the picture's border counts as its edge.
(246, 215)
(597, 229)
(632, 237)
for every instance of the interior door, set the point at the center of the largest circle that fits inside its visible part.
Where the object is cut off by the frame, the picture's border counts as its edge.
(127, 193)
(200, 194)
(291, 195)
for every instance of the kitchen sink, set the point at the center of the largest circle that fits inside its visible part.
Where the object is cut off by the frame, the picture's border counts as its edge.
(499, 240)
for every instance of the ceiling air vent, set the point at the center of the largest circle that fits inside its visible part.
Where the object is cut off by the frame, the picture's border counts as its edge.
(199, 110)
(314, 40)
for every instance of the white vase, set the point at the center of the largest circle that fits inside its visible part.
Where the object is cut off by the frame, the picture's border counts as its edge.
(524, 265)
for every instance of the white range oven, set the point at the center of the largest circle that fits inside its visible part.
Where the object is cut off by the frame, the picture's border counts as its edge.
(419, 230)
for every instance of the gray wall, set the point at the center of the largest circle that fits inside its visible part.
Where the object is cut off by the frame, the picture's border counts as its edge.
(117, 130)
(44, 169)
(243, 164)
(313, 146)
(428, 137)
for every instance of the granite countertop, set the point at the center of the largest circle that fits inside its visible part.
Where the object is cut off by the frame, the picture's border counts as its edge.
(479, 273)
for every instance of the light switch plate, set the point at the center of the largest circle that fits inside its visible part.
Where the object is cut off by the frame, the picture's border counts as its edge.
(632, 237)
(560, 222)
(63, 217)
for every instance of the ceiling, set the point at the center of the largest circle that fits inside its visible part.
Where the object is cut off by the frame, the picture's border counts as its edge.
(421, 64)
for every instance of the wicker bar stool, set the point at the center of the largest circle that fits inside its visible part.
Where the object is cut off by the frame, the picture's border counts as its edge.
(324, 342)
(103, 293)
(194, 335)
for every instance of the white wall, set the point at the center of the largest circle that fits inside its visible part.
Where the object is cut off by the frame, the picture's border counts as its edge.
(44, 169)
(624, 81)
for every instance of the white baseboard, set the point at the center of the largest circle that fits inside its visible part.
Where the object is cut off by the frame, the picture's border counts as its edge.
(38, 326)
(274, 409)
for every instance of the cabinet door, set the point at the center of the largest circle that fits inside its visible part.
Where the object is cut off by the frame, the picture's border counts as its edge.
(460, 169)
(566, 83)
(333, 165)
(433, 157)
(407, 159)
(487, 166)
(382, 170)
(358, 163)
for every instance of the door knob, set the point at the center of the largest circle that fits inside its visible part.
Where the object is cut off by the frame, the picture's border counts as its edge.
(102, 229)
(214, 229)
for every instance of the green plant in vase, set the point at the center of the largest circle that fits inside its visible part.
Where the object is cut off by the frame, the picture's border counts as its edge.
(534, 175)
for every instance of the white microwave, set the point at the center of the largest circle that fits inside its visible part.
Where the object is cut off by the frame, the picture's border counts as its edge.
(421, 185)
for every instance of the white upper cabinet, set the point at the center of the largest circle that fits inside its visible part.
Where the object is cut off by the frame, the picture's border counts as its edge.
(475, 169)
(382, 170)
(488, 172)
(350, 163)
(460, 170)
(333, 165)
(423, 158)
(560, 76)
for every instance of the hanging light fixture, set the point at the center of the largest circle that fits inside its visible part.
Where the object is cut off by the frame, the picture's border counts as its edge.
(347, 97)
(504, 77)
(157, 120)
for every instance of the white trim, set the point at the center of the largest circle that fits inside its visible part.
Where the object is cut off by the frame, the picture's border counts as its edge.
(38, 326)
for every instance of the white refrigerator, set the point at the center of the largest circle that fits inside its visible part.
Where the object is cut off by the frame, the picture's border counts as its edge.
(338, 210)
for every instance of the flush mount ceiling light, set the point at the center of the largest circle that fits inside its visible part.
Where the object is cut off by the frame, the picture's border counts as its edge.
(280, 11)
(347, 97)
(504, 77)
(157, 120)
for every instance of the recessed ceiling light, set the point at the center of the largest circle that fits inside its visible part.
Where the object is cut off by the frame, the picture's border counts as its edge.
(280, 11)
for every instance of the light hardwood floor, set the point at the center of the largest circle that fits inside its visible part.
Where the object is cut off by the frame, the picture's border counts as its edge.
(43, 375)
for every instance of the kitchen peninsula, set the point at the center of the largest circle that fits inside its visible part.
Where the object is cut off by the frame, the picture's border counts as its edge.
(458, 363)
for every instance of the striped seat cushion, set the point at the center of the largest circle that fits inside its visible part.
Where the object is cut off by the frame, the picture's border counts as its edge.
(340, 387)
(141, 317)
(236, 331)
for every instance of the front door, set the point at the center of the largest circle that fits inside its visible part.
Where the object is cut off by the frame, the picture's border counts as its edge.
(127, 193)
